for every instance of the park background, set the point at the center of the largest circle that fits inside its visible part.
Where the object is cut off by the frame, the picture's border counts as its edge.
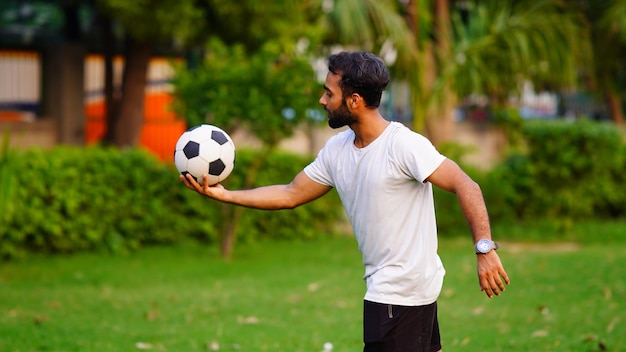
(104, 249)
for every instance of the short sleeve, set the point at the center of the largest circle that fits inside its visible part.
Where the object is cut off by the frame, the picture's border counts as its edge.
(416, 155)
(318, 169)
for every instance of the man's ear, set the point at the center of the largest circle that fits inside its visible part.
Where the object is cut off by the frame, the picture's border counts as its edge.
(354, 100)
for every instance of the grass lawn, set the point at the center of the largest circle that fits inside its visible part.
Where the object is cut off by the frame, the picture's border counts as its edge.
(298, 296)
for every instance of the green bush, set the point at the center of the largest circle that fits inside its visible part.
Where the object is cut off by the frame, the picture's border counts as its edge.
(450, 218)
(564, 173)
(567, 171)
(306, 221)
(72, 199)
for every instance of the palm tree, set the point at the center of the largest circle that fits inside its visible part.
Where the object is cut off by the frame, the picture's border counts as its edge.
(493, 46)
(374, 25)
(378, 26)
(607, 23)
(448, 49)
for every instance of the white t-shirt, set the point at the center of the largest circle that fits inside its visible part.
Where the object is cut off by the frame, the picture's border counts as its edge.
(391, 210)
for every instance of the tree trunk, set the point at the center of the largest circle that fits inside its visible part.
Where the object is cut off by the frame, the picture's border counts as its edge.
(64, 81)
(233, 215)
(440, 123)
(131, 112)
(418, 83)
(615, 108)
(66, 92)
(421, 89)
(434, 118)
(440, 119)
(111, 99)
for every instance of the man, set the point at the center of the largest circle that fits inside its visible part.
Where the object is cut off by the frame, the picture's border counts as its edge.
(384, 174)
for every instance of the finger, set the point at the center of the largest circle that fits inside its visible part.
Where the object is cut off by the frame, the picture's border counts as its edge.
(186, 182)
(500, 284)
(495, 290)
(484, 286)
(192, 181)
(488, 292)
(498, 280)
(492, 288)
(505, 276)
(205, 183)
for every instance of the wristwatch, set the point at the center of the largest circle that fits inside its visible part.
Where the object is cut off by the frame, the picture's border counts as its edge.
(484, 246)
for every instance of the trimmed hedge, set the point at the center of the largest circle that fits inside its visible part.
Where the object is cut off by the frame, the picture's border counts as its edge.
(85, 199)
(568, 170)
(565, 172)
(74, 199)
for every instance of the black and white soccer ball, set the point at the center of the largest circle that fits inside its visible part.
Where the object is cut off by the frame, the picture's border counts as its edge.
(205, 150)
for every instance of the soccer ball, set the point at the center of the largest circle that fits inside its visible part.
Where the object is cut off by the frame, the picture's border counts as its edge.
(205, 150)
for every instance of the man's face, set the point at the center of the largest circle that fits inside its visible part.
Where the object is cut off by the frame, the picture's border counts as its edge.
(335, 105)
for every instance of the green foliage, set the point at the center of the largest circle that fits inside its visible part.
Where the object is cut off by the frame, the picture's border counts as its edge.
(607, 27)
(560, 174)
(40, 16)
(6, 178)
(511, 123)
(156, 20)
(70, 199)
(371, 25)
(306, 221)
(188, 21)
(252, 23)
(269, 92)
(501, 43)
(569, 171)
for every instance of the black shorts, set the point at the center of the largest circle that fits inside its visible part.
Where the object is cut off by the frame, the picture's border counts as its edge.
(391, 328)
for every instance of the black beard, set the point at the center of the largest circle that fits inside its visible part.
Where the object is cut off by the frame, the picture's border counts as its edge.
(340, 117)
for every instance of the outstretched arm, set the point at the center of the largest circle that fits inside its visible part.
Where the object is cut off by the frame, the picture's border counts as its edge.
(299, 191)
(451, 178)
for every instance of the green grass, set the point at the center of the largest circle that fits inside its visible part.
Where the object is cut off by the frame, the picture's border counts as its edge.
(297, 296)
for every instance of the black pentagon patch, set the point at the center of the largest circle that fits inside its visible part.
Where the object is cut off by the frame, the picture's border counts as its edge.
(216, 167)
(219, 137)
(191, 149)
(193, 128)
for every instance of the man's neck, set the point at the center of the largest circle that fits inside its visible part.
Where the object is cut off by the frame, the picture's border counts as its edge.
(368, 128)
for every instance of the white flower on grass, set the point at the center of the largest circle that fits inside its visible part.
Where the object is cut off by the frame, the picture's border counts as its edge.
(143, 346)
(213, 346)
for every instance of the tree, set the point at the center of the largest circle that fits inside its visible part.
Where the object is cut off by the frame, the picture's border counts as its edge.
(432, 38)
(149, 24)
(449, 49)
(64, 73)
(370, 25)
(491, 47)
(374, 25)
(607, 25)
(261, 80)
(146, 24)
(430, 25)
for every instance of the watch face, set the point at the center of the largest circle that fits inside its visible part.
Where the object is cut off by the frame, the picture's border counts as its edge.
(483, 246)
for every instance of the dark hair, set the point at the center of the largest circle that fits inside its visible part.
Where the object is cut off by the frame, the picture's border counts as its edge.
(361, 72)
